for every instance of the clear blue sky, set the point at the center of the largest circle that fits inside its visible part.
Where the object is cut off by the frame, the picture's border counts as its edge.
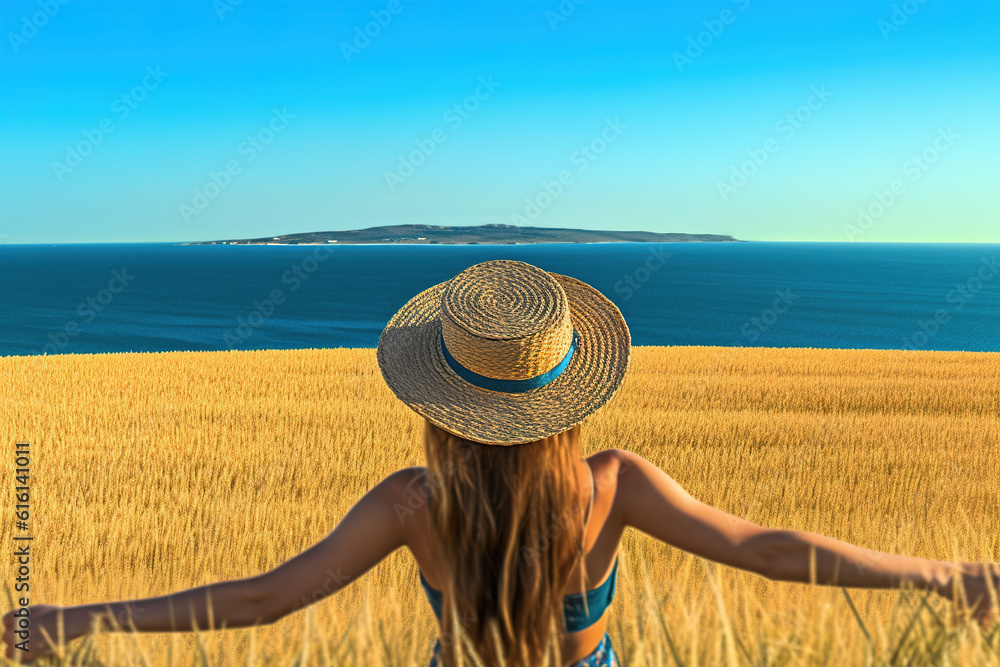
(763, 120)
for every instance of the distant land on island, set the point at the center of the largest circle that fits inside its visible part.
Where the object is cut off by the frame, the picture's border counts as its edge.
(493, 233)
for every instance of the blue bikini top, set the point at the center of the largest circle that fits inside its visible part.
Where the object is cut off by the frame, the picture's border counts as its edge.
(598, 600)
(576, 618)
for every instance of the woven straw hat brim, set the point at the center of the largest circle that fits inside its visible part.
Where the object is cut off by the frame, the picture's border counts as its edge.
(410, 358)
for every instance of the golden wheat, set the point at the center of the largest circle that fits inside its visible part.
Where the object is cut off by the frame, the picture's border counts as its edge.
(153, 473)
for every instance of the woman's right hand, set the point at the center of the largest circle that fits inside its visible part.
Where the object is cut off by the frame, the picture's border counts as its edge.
(977, 595)
(41, 616)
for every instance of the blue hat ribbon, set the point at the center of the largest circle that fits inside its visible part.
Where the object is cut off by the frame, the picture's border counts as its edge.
(510, 386)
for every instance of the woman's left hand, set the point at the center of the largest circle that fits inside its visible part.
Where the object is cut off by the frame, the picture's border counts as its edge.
(973, 577)
(39, 616)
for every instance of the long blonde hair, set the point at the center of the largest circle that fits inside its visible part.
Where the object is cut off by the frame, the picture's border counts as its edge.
(507, 530)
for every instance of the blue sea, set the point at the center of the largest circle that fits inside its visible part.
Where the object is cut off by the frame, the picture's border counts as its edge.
(151, 297)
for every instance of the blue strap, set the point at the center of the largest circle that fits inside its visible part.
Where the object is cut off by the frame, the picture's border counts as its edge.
(510, 386)
(598, 599)
(434, 596)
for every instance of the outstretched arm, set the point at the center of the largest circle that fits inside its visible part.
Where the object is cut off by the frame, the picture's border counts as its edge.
(368, 533)
(838, 563)
(651, 501)
(655, 504)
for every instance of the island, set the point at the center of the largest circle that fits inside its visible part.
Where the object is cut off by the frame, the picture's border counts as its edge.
(486, 234)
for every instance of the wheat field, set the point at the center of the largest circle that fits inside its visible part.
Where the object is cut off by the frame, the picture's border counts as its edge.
(153, 473)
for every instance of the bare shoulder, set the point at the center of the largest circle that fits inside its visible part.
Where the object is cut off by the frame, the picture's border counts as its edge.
(632, 479)
(650, 500)
(608, 467)
(405, 480)
(615, 461)
(638, 479)
(407, 475)
(396, 489)
(409, 491)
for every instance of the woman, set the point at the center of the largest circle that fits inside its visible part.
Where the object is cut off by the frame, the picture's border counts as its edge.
(516, 537)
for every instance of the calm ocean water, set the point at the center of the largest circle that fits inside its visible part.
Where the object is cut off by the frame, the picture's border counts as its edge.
(91, 298)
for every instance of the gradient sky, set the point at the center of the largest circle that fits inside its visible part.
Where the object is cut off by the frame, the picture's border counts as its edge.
(912, 98)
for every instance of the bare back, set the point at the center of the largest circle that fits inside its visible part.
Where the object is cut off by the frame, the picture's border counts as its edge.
(602, 539)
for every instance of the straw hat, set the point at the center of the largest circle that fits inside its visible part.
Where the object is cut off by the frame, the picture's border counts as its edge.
(505, 353)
